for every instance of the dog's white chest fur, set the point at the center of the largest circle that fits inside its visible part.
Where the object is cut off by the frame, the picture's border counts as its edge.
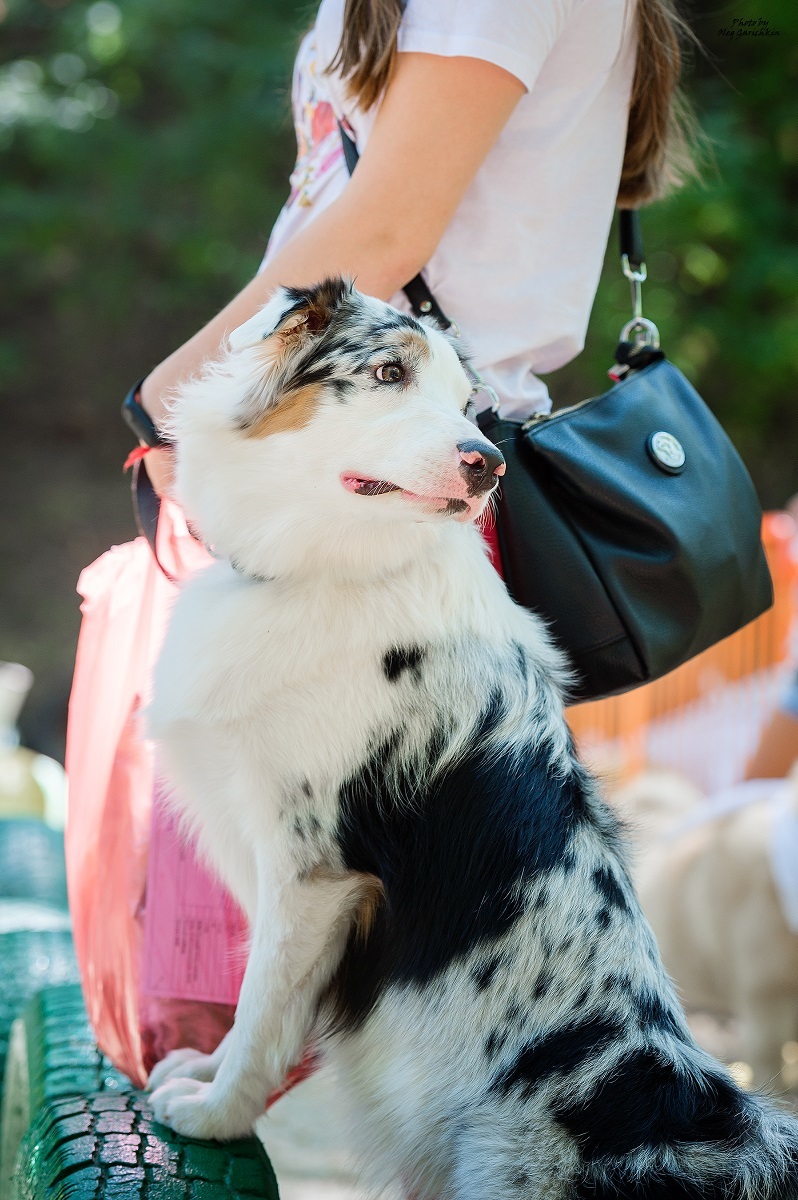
(293, 672)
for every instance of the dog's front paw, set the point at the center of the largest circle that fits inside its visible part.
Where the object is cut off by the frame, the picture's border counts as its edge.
(189, 1107)
(183, 1064)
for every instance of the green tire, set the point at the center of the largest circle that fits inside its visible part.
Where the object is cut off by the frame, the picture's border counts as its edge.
(74, 1129)
(31, 959)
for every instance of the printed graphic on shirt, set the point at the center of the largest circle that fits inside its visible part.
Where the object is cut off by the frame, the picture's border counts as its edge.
(317, 136)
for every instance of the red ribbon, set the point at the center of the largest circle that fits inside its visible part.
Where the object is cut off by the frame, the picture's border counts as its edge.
(136, 456)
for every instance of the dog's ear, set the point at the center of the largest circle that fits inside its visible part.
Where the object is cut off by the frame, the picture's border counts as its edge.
(276, 343)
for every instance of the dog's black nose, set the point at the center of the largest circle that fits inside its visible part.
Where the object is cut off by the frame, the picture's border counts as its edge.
(480, 463)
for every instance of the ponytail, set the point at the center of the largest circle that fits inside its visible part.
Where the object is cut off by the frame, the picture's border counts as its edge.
(657, 156)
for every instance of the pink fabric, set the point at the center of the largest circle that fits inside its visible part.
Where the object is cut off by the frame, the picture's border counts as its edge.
(195, 935)
(112, 832)
(126, 600)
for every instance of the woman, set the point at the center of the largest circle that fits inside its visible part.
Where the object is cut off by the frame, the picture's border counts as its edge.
(495, 140)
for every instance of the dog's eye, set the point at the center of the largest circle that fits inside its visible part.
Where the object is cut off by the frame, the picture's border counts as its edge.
(390, 372)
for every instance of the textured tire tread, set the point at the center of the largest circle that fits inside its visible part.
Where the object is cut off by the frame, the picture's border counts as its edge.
(69, 1157)
(30, 960)
(63, 1058)
(93, 1137)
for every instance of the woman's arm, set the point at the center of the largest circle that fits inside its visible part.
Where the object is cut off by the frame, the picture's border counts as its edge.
(438, 120)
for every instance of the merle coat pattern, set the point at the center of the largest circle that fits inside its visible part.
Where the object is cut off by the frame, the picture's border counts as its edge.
(367, 737)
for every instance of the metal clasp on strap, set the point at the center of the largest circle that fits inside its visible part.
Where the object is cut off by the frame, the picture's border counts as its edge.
(478, 385)
(636, 276)
(639, 330)
(642, 332)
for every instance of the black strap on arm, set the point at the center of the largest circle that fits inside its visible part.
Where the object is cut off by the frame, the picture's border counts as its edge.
(146, 501)
(146, 509)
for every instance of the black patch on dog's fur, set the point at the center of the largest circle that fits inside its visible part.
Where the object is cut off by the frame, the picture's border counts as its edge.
(646, 1102)
(400, 320)
(651, 1013)
(542, 985)
(483, 975)
(495, 1042)
(581, 999)
(402, 658)
(342, 388)
(453, 859)
(610, 889)
(603, 917)
(562, 1051)
(619, 983)
(665, 1185)
(514, 1014)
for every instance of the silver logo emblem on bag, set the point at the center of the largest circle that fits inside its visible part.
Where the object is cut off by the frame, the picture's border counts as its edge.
(667, 452)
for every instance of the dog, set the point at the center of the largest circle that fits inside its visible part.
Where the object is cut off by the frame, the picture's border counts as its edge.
(366, 736)
(708, 888)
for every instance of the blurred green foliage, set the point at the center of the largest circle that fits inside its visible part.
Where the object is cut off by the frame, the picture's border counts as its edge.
(144, 154)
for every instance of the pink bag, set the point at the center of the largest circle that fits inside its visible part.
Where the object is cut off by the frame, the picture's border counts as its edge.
(160, 944)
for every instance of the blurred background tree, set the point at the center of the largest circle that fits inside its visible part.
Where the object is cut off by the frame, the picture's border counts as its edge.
(145, 153)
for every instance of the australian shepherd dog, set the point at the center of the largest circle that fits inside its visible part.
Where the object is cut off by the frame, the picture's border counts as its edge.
(366, 736)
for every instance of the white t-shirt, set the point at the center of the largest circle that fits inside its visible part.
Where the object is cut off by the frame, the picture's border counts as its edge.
(519, 265)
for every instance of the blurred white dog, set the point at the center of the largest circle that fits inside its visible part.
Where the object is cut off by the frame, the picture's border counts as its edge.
(715, 886)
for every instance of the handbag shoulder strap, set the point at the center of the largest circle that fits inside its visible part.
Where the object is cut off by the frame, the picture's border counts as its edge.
(147, 509)
(630, 236)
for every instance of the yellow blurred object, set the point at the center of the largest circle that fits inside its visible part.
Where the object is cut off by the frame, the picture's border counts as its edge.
(742, 1074)
(789, 1071)
(20, 794)
(789, 1052)
(611, 734)
(31, 785)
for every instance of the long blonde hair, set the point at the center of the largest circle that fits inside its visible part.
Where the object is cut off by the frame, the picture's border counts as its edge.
(657, 155)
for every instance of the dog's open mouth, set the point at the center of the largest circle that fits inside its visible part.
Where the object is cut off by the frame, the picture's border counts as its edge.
(368, 487)
(361, 485)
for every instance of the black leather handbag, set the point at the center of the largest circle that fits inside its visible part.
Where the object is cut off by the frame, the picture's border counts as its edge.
(631, 524)
(628, 522)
